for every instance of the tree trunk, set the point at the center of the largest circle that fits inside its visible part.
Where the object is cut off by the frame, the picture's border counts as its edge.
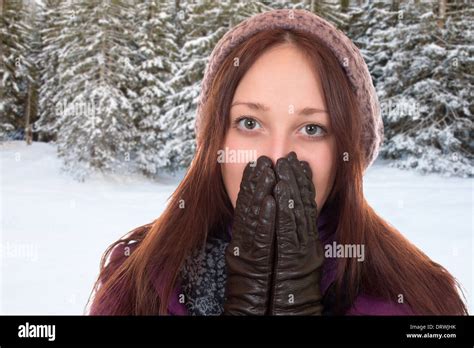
(395, 6)
(28, 131)
(441, 13)
(344, 5)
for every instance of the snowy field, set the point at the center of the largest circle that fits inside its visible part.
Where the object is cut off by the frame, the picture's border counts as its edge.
(54, 230)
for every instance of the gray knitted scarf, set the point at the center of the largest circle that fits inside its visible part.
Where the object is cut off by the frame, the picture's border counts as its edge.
(204, 276)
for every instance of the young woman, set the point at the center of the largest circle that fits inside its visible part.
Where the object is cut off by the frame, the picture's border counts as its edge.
(291, 233)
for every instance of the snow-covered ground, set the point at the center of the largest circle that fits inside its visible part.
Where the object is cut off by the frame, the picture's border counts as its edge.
(54, 230)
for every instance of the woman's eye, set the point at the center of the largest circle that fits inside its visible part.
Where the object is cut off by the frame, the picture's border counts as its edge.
(313, 131)
(247, 123)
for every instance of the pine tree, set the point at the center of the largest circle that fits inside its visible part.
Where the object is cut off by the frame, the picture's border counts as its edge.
(420, 70)
(375, 30)
(50, 19)
(95, 125)
(424, 91)
(157, 51)
(16, 68)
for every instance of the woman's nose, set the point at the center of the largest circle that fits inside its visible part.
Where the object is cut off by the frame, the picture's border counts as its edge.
(278, 147)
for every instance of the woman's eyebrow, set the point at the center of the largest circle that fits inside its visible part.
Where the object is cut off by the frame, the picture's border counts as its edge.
(254, 106)
(309, 111)
(260, 107)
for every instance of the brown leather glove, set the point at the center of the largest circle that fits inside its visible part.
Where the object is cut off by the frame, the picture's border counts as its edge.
(299, 253)
(249, 255)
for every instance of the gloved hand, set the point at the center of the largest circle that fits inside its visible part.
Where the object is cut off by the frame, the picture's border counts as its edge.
(249, 255)
(297, 271)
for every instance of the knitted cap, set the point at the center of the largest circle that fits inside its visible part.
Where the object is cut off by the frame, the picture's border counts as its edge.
(343, 48)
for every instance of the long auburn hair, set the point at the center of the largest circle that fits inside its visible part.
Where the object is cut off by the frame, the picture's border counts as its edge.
(143, 283)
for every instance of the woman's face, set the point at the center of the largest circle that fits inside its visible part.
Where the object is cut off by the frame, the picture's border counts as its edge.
(279, 107)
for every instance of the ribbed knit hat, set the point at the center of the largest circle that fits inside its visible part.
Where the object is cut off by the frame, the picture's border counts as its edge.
(343, 48)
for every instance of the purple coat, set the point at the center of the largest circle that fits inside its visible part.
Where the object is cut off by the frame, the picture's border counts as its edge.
(363, 305)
